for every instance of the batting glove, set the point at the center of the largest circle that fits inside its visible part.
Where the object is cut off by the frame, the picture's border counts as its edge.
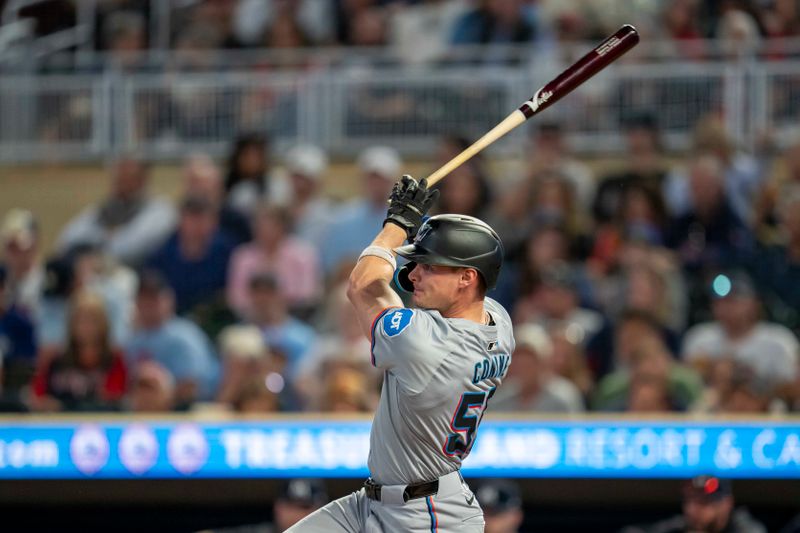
(408, 204)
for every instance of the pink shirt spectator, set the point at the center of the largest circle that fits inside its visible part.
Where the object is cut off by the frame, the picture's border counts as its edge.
(294, 263)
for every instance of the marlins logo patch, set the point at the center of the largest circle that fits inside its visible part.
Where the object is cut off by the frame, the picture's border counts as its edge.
(396, 321)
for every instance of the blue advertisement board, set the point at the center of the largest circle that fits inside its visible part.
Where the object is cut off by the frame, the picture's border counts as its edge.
(278, 448)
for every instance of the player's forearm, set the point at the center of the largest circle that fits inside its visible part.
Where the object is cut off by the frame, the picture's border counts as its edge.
(372, 273)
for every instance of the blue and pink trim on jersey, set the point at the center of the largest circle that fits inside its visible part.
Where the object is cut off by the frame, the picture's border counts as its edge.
(432, 513)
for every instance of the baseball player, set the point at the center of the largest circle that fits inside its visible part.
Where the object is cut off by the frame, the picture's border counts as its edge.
(442, 362)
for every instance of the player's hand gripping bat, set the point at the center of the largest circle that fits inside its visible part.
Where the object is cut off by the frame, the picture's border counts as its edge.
(606, 53)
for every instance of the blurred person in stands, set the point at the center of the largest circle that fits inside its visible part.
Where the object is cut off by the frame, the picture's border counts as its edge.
(298, 499)
(681, 26)
(124, 35)
(249, 176)
(550, 154)
(152, 389)
(89, 372)
(532, 383)
(502, 505)
(129, 224)
(711, 235)
(569, 357)
(494, 21)
(256, 18)
(174, 342)
(341, 342)
(24, 268)
(355, 223)
(553, 203)
(203, 178)
(771, 350)
(613, 347)
(776, 267)
(644, 166)
(749, 393)
(465, 191)
(195, 258)
(311, 212)
(346, 390)
(244, 355)
(270, 313)
(294, 262)
(555, 300)
(420, 32)
(708, 506)
(17, 349)
(767, 205)
(739, 33)
(254, 396)
(739, 174)
(652, 381)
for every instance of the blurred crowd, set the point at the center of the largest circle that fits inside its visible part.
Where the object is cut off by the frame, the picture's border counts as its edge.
(420, 30)
(662, 286)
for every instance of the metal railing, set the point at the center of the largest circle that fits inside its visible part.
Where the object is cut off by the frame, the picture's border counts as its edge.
(166, 115)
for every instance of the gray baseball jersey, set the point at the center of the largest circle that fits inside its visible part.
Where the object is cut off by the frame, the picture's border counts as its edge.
(439, 376)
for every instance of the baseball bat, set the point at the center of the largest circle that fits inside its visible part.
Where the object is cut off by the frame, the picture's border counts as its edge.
(593, 62)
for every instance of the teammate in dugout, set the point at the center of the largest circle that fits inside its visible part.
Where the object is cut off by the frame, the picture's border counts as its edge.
(442, 362)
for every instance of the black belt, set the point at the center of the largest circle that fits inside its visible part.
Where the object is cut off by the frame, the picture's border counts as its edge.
(412, 492)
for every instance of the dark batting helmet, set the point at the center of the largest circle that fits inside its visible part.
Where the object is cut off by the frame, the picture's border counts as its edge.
(454, 240)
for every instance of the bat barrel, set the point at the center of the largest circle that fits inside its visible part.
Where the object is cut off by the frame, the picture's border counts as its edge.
(596, 60)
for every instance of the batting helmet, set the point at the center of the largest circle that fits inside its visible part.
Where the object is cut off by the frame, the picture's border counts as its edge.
(454, 240)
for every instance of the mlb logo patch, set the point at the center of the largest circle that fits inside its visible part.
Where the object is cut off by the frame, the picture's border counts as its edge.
(396, 321)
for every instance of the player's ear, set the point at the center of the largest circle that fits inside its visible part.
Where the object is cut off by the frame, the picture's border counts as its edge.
(469, 276)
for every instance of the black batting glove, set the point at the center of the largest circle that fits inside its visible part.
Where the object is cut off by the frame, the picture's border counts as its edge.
(408, 203)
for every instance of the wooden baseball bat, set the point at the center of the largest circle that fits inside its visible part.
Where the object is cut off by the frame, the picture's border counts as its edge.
(606, 53)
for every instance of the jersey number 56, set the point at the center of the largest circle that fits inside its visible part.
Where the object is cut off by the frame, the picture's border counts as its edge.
(465, 423)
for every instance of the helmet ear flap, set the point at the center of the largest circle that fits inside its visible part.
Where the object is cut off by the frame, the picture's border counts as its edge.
(401, 277)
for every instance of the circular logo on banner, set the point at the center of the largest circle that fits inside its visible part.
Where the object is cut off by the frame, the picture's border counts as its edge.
(138, 448)
(187, 448)
(89, 449)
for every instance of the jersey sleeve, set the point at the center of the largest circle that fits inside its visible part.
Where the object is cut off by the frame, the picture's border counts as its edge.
(404, 342)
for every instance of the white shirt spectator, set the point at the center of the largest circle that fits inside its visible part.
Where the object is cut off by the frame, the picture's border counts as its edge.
(771, 350)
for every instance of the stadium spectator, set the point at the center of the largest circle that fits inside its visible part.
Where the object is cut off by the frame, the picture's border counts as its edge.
(17, 346)
(465, 191)
(769, 349)
(294, 263)
(532, 385)
(420, 33)
(708, 505)
(89, 372)
(355, 223)
(152, 389)
(244, 355)
(195, 258)
(502, 505)
(346, 389)
(653, 373)
(741, 174)
(129, 224)
(494, 22)
(550, 153)
(255, 397)
(269, 312)
(748, 393)
(776, 267)
(710, 235)
(341, 342)
(298, 498)
(569, 358)
(311, 212)
(24, 268)
(124, 36)
(174, 342)
(555, 300)
(203, 178)
(248, 181)
(681, 26)
(553, 203)
(255, 18)
(644, 166)
(612, 348)
(780, 185)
